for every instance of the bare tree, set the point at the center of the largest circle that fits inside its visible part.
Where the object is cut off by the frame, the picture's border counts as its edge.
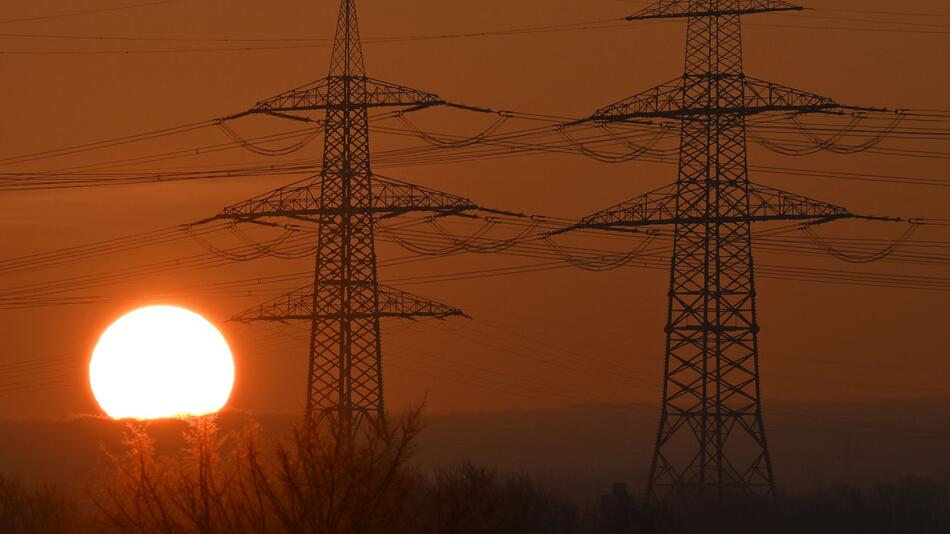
(326, 480)
(321, 480)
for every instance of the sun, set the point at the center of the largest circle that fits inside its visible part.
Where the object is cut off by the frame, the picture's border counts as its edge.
(161, 361)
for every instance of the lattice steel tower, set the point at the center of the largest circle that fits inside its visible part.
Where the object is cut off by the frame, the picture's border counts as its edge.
(345, 302)
(711, 441)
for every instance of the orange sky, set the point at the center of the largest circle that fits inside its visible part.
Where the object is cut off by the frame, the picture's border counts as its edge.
(818, 341)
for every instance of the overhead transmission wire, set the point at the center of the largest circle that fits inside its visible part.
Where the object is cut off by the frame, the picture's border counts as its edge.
(659, 261)
(39, 374)
(777, 271)
(614, 136)
(522, 331)
(498, 381)
(21, 181)
(525, 384)
(851, 257)
(837, 175)
(236, 142)
(95, 280)
(655, 259)
(267, 151)
(892, 251)
(40, 291)
(768, 271)
(33, 294)
(49, 382)
(587, 399)
(521, 143)
(58, 181)
(70, 255)
(522, 388)
(600, 24)
(877, 25)
(546, 392)
(528, 390)
(84, 12)
(574, 26)
(522, 340)
(311, 43)
(889, 21)
(75, 178)
(847, 28)
(108, 143)
(140, 38)
(648, 411)
(529, 142)
(188, 152)
(402, 162)
(568, 363)
(515, 337)
(880, 12)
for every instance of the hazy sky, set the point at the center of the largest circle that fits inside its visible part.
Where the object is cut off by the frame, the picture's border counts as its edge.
(532, 331)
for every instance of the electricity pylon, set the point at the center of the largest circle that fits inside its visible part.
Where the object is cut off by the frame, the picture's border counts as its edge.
(711, 441)
(345, 303)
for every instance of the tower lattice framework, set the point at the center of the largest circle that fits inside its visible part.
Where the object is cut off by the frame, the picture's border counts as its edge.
(345, 303)
(711, 441)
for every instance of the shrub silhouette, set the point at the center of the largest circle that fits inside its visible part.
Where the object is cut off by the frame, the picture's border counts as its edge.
(320, 481)
(26, 510)
(472, 500)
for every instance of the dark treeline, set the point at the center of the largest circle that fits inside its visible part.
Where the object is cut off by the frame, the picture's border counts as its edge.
(317, 481)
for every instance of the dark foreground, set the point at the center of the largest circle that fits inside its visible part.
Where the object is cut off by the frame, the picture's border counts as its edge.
(316, 481)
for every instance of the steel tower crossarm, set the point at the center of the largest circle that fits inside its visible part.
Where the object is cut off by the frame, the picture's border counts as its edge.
(669, 9)
(389, 198)
(320, 95)
(673, 100)
(299, 306)
(665, 207)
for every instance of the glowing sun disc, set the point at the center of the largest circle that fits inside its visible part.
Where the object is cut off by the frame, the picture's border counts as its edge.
(161, 361)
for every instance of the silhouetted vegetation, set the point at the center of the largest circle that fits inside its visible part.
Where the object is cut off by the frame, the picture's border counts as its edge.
(316, 480)
(472, 500)
(27, 510)
(908, 506)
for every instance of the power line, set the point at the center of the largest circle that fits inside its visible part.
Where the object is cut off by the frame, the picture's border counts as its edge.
(574, 26)
(322, 43)
(89, 11)
(889, 13)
